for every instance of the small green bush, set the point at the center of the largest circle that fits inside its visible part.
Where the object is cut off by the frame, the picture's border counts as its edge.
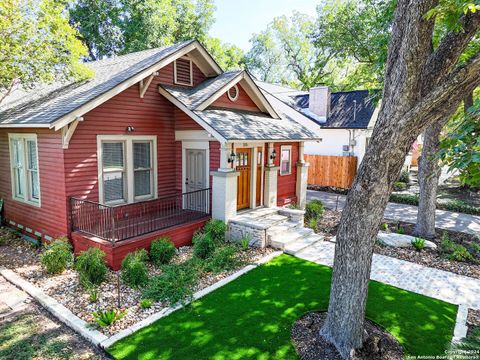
(418, 244)
(385, 226)
(404, 177)
(459, 206)
(475, 248)
(93, 294)
(408, 199)
(203, 245)
(312, 223)
(399, 186)
(108, 317)
(146, 303)
(216, 229)
(245, 243)
(162, 251)
(57, 256)
(447, 246)
(293, 206)
(223, 259)
(400, 230)
(174, 285)
(134, 269)
(460, 253)
(91, 267)
(314, 209)
(470, 344)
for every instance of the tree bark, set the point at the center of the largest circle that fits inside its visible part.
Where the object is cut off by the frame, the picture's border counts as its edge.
(428, 174)
(407, 109)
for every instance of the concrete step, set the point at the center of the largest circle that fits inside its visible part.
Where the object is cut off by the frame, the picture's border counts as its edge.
(301, 244)
(279, 241)
(282, 228)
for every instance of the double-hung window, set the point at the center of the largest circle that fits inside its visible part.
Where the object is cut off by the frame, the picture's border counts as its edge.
(127, 168)
(24, 168)
(285, 160)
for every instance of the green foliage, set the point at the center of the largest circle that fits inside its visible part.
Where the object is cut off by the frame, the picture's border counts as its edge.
(38, 45)
(162, 251)
(418, 244)
(399, 186)
(407, 199)
(108, 317)
(404, 176)
(93, 294)
(216, 229)
(468, 345)
(293, 206)
(203, 245)
(385, 226)
(134, 269)
(91, 267)
(57, 256)
(460, 253)
(475, 249)
(227, 56)
(314, 209)
(399, 230)
(312, 223)
(175, 284)
(450, 205)
(380, 242)
(224, 258)
(146, 303)
(245, 243)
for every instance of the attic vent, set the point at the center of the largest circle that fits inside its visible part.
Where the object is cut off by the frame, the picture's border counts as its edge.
(233, 93)
(182, 72)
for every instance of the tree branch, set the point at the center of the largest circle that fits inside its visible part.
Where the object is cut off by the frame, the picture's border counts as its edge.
(443, 60)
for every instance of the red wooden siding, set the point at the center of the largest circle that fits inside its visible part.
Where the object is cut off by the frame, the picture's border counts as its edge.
(244, 102)
(180, 235)
(185, 122)
(286, 190)
(51, 218)
(165, 75)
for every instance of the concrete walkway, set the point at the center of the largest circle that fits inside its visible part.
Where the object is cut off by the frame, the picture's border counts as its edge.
(439, 284)
(444, 219)
(12, 299)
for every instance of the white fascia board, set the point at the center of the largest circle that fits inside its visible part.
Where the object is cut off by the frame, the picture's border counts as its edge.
(219, 92)
(24, 126)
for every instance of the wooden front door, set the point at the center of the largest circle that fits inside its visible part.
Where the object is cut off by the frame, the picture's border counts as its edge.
(244, 161)
(259, 161)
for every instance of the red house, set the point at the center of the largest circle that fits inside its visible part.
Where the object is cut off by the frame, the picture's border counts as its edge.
(156, 143)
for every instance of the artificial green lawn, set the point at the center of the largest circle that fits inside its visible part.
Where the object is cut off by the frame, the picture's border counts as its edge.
(251, 317)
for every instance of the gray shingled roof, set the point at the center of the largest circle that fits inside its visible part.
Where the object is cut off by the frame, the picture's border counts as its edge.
(342, 108)
(245, 125)
(42, 106)
(193, 97)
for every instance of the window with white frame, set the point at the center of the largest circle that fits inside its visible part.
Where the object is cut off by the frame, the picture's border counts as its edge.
(127, 168)
(285, 160)
(24, 164)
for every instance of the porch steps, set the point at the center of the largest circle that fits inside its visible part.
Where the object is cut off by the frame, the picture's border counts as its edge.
(300, 244)
(280, 240)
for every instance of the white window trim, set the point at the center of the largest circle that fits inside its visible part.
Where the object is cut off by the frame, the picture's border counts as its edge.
(195, 145)
(175, 80)
(130, 190)
(286, 147)
(27, 199)
(237, 93)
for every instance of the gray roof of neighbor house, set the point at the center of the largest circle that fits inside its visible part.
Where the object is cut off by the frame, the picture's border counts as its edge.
(348, 110)
(42, 106)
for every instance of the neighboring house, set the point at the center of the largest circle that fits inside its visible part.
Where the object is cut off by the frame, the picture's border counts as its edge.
(155, 144)
(343, 120)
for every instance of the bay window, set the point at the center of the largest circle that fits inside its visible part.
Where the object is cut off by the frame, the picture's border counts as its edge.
(24, 168)
(126, 168)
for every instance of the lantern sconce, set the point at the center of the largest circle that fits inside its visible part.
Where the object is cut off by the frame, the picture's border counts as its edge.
(232, 157)
(273, 155)
(130, 128)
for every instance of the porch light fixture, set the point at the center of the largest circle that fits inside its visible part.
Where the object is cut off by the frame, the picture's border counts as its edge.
(273, 155)
(231, 158)
(130, 128)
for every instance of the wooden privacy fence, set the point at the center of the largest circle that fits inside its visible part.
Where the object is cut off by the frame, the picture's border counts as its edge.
(336, 171)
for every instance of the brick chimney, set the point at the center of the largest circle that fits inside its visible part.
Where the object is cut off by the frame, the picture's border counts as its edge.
(319, 102)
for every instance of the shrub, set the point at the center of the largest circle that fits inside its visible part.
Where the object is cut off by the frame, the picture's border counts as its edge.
(404, 177)
(469, 344)
(293, 206)
(459, 206)
(460, 253)
(175, 284)
(400, 230)
(203, 245)
(108, 317)
(162, 251)
(216, 229)
(146, 303)
(447, 246)
(245, 243)
(91, 267)
(385, 226)
(418, 244)
(399, 186)
(312, 223)
(314, 209)
(475, 248)
(134, 269)
(57, 256)
(223, 259)
(408, 199)
(93, 294)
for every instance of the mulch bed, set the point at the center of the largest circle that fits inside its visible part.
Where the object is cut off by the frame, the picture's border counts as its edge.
(328, 223)
(379, 345)
(473, 320)
(24, 258)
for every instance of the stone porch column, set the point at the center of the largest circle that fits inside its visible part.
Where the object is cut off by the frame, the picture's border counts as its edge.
(302, 178)
(270, 184)
(224, 188)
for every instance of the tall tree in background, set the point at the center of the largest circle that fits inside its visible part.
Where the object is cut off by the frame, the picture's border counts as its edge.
(420, 86)
(37, 45)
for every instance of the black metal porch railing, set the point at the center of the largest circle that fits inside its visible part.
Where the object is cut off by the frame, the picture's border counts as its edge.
(116, 223)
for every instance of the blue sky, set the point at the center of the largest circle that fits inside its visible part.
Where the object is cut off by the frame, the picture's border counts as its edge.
(237, 20)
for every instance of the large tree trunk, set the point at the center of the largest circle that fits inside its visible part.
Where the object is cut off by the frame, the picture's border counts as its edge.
(428, 174)
(407, 108)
